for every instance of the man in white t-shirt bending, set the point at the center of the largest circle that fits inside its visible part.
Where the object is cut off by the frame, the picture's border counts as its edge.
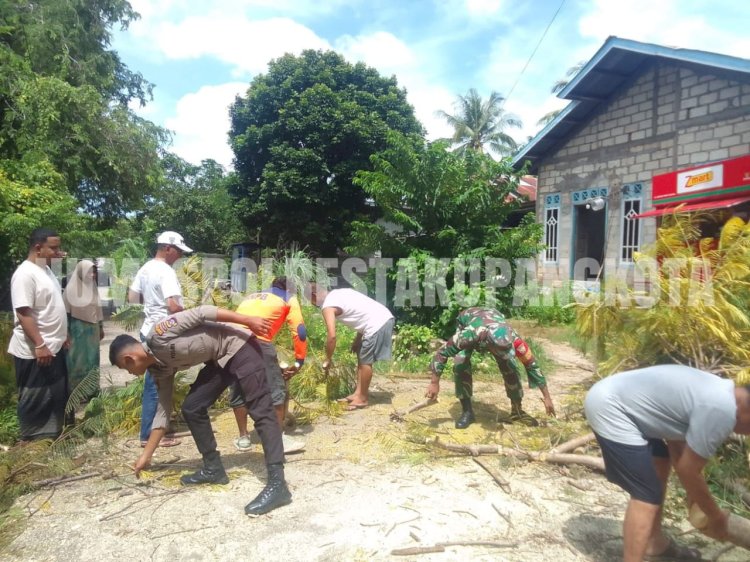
(373, 323)
(157, 288)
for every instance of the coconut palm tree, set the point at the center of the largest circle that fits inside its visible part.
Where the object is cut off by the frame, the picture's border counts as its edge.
(480, 124)
(557, 87)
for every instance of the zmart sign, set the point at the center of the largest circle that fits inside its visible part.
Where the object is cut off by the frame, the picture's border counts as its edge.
(714, 181)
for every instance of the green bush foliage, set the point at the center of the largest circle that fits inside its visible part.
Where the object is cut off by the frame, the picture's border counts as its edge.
(553, 309)
(8, 418)
(412, 340)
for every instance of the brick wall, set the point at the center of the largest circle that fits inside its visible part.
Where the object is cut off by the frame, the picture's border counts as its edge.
(670, 116)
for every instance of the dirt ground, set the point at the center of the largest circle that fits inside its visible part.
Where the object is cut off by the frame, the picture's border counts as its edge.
(361, 489)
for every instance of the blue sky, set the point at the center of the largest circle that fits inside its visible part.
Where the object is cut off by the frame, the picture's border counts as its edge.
(199, 54)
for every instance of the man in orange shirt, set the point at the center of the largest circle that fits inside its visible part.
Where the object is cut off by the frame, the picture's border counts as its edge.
(278, 304)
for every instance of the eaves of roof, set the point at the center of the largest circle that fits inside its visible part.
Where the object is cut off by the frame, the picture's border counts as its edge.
(614, 64)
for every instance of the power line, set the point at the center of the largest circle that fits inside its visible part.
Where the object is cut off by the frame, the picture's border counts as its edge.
(562, 3)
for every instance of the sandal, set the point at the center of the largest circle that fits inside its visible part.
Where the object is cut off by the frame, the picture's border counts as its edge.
(165, 442)
(675, 552)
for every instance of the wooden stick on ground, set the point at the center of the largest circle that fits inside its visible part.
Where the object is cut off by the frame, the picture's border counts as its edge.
(595, 463)
(412, 550)
(400, 416)
(64, 479)
(573, 444)
(502, 482)
(740, 490)
(440, 547)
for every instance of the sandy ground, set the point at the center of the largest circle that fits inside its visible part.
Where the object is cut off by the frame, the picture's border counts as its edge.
(361, 489)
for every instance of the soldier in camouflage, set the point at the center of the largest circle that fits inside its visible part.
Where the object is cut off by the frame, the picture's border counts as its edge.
(485, 329)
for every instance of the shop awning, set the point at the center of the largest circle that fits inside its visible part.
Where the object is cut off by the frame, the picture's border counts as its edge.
(690, 207)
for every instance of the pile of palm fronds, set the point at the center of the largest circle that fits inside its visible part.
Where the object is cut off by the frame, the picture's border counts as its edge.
(695, 309)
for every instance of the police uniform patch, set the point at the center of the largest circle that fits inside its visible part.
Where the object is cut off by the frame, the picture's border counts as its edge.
(165, 325)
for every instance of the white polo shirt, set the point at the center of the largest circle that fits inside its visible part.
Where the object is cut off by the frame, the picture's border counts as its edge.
(37, 288)
(157, 282)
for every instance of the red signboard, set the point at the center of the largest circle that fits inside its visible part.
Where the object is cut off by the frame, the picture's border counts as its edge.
(720, 180)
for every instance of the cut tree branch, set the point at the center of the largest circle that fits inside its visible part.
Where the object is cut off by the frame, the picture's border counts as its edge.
(502, 482)
(595, 463)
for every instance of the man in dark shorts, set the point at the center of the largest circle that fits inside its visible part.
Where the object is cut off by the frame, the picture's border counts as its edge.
(649, 420)
(373, 323)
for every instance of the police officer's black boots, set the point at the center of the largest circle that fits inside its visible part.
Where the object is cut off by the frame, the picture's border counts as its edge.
(212, 472)
(467, 417)
(274, 495)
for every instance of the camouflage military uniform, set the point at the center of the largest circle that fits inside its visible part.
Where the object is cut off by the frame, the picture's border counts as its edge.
(485, 329)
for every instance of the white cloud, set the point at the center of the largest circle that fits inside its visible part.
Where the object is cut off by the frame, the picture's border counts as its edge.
(201, 123)
(381, 50)
(427, 99)
(391, 56)
(174, 9)
(686, 24)
(530, 112)
(483, 8)
(246, 45)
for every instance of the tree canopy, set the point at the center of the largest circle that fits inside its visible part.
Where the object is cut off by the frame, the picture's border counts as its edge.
(442, 204)
(300, 134)
(195, 202)
(73, 155)
(64, 98)
(480, 124)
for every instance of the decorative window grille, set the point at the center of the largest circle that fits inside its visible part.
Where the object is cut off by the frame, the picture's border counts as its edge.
(552, 228)
(632, 204)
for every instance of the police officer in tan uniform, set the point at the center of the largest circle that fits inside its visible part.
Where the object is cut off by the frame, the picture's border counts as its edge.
(231, 353)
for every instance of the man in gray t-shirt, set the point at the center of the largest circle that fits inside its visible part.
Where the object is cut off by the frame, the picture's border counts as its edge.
(649, 420)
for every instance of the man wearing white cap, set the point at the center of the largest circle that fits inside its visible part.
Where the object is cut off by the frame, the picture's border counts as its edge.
(157, 288)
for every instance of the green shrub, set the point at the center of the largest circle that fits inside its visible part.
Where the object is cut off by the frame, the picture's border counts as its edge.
(553, 309)
(9, 429)
(412, 364)
(411, 340)
(8, 418)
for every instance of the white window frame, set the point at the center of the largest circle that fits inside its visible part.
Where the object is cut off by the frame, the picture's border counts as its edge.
(552, 228)
(631, 229)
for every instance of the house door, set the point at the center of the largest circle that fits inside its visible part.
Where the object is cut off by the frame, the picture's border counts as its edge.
(590, 234)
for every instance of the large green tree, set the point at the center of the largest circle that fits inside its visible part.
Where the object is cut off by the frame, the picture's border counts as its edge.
(300, 134)
(195, 202)
(64, 97)
(480, 124)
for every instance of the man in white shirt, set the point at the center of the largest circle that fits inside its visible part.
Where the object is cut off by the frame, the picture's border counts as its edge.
(39, 339)
(373, 323)
(156, 286)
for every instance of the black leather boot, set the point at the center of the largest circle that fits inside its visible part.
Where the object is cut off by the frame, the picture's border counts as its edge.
(517, 414)
(274, 495)
(467, 417)
(212, 472)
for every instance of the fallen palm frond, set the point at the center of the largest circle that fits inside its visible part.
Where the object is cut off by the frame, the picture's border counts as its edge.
(198, 286)
(87, 388)
(129, 317)
(694, 309)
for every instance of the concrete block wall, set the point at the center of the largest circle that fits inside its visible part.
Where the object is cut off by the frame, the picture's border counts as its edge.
(671, 116)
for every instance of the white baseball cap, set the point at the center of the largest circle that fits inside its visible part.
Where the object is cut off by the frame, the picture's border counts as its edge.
(173, 239)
